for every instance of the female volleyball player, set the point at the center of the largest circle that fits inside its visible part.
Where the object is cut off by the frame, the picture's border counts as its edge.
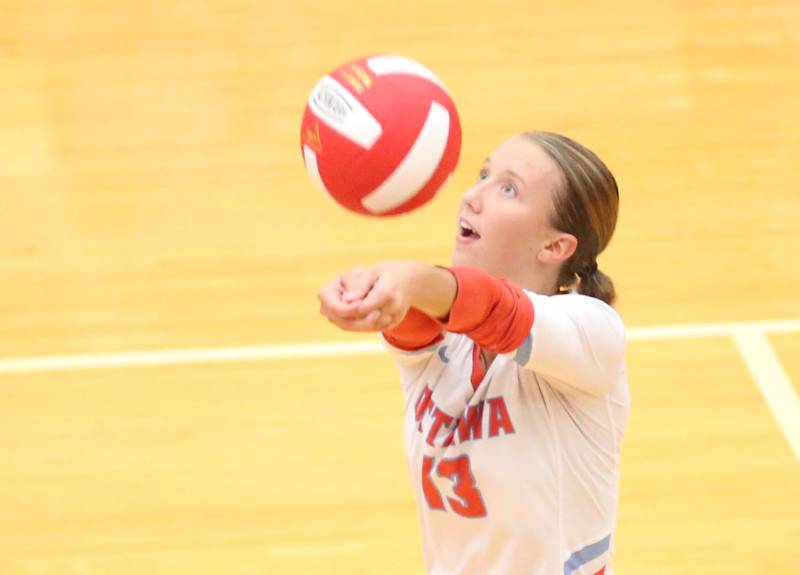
(511, 362)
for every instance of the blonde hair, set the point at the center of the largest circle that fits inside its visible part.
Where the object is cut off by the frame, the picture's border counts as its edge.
(586, 205)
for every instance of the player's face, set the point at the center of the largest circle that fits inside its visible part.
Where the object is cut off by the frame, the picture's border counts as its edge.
(504, 218)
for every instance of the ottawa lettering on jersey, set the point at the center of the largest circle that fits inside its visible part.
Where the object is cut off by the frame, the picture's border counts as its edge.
(476, 419)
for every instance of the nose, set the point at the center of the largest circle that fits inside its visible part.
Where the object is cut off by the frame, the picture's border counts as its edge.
(472, 198)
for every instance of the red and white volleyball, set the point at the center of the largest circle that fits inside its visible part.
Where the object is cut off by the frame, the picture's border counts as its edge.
(380, 135)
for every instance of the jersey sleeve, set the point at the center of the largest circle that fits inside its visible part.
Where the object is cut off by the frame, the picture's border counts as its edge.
(577, 342)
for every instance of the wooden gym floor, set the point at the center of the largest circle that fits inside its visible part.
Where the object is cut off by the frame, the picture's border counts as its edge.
(154, 201)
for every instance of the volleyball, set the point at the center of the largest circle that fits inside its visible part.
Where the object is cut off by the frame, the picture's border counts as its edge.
(380, 135)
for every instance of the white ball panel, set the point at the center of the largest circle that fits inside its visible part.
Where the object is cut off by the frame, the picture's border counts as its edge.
(381, 65)
(417, 166)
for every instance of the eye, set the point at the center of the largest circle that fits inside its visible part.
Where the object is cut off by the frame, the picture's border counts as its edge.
(509, 190)
(483, 174)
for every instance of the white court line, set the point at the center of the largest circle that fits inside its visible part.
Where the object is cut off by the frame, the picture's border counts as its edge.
(312, 350)
(688, 331)
(186, 356)
(773, 381)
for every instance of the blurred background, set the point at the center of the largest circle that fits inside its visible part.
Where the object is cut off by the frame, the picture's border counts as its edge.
(154, 198)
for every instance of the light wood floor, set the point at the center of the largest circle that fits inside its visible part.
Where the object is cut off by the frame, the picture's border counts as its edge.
(153, 197)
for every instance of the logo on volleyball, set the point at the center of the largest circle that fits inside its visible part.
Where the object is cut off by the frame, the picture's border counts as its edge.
(331, 103)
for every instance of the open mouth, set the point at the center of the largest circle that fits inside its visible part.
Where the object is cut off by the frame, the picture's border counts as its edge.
(465, 230)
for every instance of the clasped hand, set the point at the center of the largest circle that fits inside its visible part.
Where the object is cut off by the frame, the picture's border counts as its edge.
(368, 298)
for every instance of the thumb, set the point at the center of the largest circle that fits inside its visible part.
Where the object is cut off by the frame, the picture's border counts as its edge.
(357, 283)
(378, 297)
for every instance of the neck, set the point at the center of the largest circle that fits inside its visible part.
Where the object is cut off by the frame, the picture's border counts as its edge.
(542, 281)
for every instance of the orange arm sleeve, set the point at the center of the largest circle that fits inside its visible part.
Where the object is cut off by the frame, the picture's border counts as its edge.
(416, 331)
(493, 312)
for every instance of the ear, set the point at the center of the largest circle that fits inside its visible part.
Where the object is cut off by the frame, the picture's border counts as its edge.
(558, 249)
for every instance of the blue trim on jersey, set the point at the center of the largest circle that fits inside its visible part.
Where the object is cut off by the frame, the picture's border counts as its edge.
(442, 356)
(586, 554)
(523, 354)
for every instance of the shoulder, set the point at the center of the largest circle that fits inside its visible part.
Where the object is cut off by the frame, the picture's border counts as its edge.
(575, 307)
(579, 341)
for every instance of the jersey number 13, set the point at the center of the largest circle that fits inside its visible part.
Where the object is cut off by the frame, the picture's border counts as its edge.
(469, 502)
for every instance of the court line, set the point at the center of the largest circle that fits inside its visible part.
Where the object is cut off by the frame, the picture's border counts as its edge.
(773, 381)
(186, 356)
(324, 349)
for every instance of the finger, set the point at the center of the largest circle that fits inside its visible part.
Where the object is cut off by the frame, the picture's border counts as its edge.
(369, 323)
(332, 304)
(375, 321)
(358, 283)
(379, 297)
(354, 296)
(340, 311)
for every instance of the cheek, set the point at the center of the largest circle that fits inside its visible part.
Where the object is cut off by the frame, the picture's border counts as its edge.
(515, 237)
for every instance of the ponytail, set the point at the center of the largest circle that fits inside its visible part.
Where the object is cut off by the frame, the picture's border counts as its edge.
(597, 284)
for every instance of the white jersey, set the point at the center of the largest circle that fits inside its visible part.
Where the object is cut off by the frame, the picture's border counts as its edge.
(519, 474)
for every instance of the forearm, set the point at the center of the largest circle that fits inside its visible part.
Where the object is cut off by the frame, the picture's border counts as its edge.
(432, 290)
(430, 293)
(493, 312)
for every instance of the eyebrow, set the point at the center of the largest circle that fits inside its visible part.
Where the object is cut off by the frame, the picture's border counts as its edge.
(515, 174)
(508, 171)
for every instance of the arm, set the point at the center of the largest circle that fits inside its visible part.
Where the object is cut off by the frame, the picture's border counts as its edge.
(576, 341)
(400, 298)
(493, 312)
(432, 290)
